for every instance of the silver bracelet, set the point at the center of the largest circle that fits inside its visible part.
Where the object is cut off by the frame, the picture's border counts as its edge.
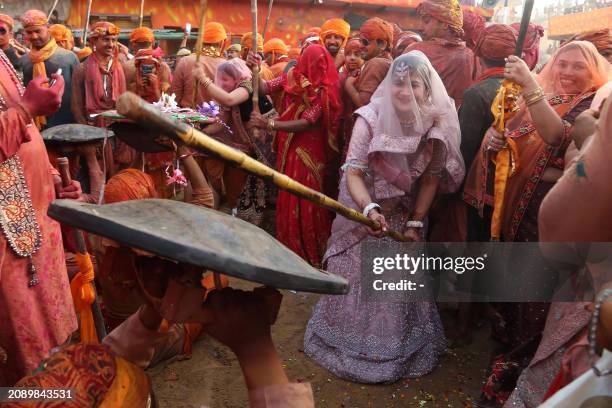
(593, 333)
(415, 224)
(370, 207)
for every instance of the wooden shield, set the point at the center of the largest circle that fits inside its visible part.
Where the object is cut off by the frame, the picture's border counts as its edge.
(202, 237)
(75, 133)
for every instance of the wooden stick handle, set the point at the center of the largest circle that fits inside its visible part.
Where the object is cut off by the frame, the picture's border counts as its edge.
(135, 108)
(64, 169)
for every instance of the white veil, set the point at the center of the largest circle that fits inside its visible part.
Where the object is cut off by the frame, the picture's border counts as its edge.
(402, 140)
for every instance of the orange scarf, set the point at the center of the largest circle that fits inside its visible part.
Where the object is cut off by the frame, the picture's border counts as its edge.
(38, 58)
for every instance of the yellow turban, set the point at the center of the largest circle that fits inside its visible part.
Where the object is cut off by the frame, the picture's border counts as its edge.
(63, 36)
(446, 11)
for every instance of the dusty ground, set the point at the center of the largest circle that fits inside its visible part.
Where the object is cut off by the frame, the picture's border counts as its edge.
(212, 377)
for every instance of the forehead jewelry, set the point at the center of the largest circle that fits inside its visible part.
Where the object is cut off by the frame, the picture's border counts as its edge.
(401, 70)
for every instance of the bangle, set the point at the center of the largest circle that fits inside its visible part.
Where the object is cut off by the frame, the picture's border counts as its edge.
(270, 125)
(535, 96)
(370, 207)
(206, 82)
(415, 224)
(593, 332)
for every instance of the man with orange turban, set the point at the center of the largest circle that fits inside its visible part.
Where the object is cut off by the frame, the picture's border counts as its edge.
(246, 44)
(442, 27)
(45, 59)
(376, 36)
(6, 38)
(275, 55)
(63, 36)
(146, 74)
(601, 39)
(334, 34)
(184, 83)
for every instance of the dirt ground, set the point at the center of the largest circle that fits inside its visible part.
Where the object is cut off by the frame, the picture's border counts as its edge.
(212, 377)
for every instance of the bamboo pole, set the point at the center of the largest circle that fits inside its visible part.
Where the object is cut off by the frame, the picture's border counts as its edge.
(141, 12)
(199, 42)
(265, 29)
(135, 108)
(89, 2)
(254, 51)
(53, 8)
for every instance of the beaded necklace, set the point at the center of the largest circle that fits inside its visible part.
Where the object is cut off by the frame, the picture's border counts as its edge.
(17, 215)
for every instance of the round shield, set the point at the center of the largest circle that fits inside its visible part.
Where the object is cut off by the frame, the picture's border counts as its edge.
(202, 237)
(75, 133)
(141, 138)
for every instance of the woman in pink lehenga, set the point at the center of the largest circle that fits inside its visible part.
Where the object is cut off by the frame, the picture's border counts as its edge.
(403, 151)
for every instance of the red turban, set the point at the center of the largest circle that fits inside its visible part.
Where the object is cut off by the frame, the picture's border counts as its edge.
(531, 48)
(214, 33)
(473, 25)
(377, 29)
(446, 11)
(496, 42)
(129, 184)
(8, 20)
(142, 34)
(33, 18)
(601, 39)
(335, 26)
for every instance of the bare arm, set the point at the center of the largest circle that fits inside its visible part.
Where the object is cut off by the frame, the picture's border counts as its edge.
(236, 97)
(353, 93)
(548, 124)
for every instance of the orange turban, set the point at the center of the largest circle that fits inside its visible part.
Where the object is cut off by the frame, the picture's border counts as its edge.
(247, 42)
(275, 45)
(62, 34)
(377, 29)
(446, 11)
(602, 39)
(33, 18)
(496, 42)
(8, 20)
(129, 184)
(83, 53)
(142, 34)
(214, 33)
(103, 28)
(335, 26)
(294, 53)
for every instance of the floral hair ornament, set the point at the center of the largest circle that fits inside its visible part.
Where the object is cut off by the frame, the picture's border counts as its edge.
(401, 70)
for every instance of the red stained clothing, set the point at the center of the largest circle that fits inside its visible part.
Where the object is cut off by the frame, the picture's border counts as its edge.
(453, 61)
(311, 93)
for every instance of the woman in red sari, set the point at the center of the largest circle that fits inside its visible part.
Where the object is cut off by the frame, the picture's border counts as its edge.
(306, 145)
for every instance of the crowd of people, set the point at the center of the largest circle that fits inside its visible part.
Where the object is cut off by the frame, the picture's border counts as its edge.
(394, 124)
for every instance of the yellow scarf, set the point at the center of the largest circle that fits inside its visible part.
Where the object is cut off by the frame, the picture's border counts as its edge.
(38, 58)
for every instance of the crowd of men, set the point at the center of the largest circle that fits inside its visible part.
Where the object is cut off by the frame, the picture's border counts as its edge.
(308, 94)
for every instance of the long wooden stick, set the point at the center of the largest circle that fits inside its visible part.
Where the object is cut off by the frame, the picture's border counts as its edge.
(89, 2)
(135, 108)
(265, 29)
(199, 42)
(254, 50)
(141, 12)
(53, 8)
